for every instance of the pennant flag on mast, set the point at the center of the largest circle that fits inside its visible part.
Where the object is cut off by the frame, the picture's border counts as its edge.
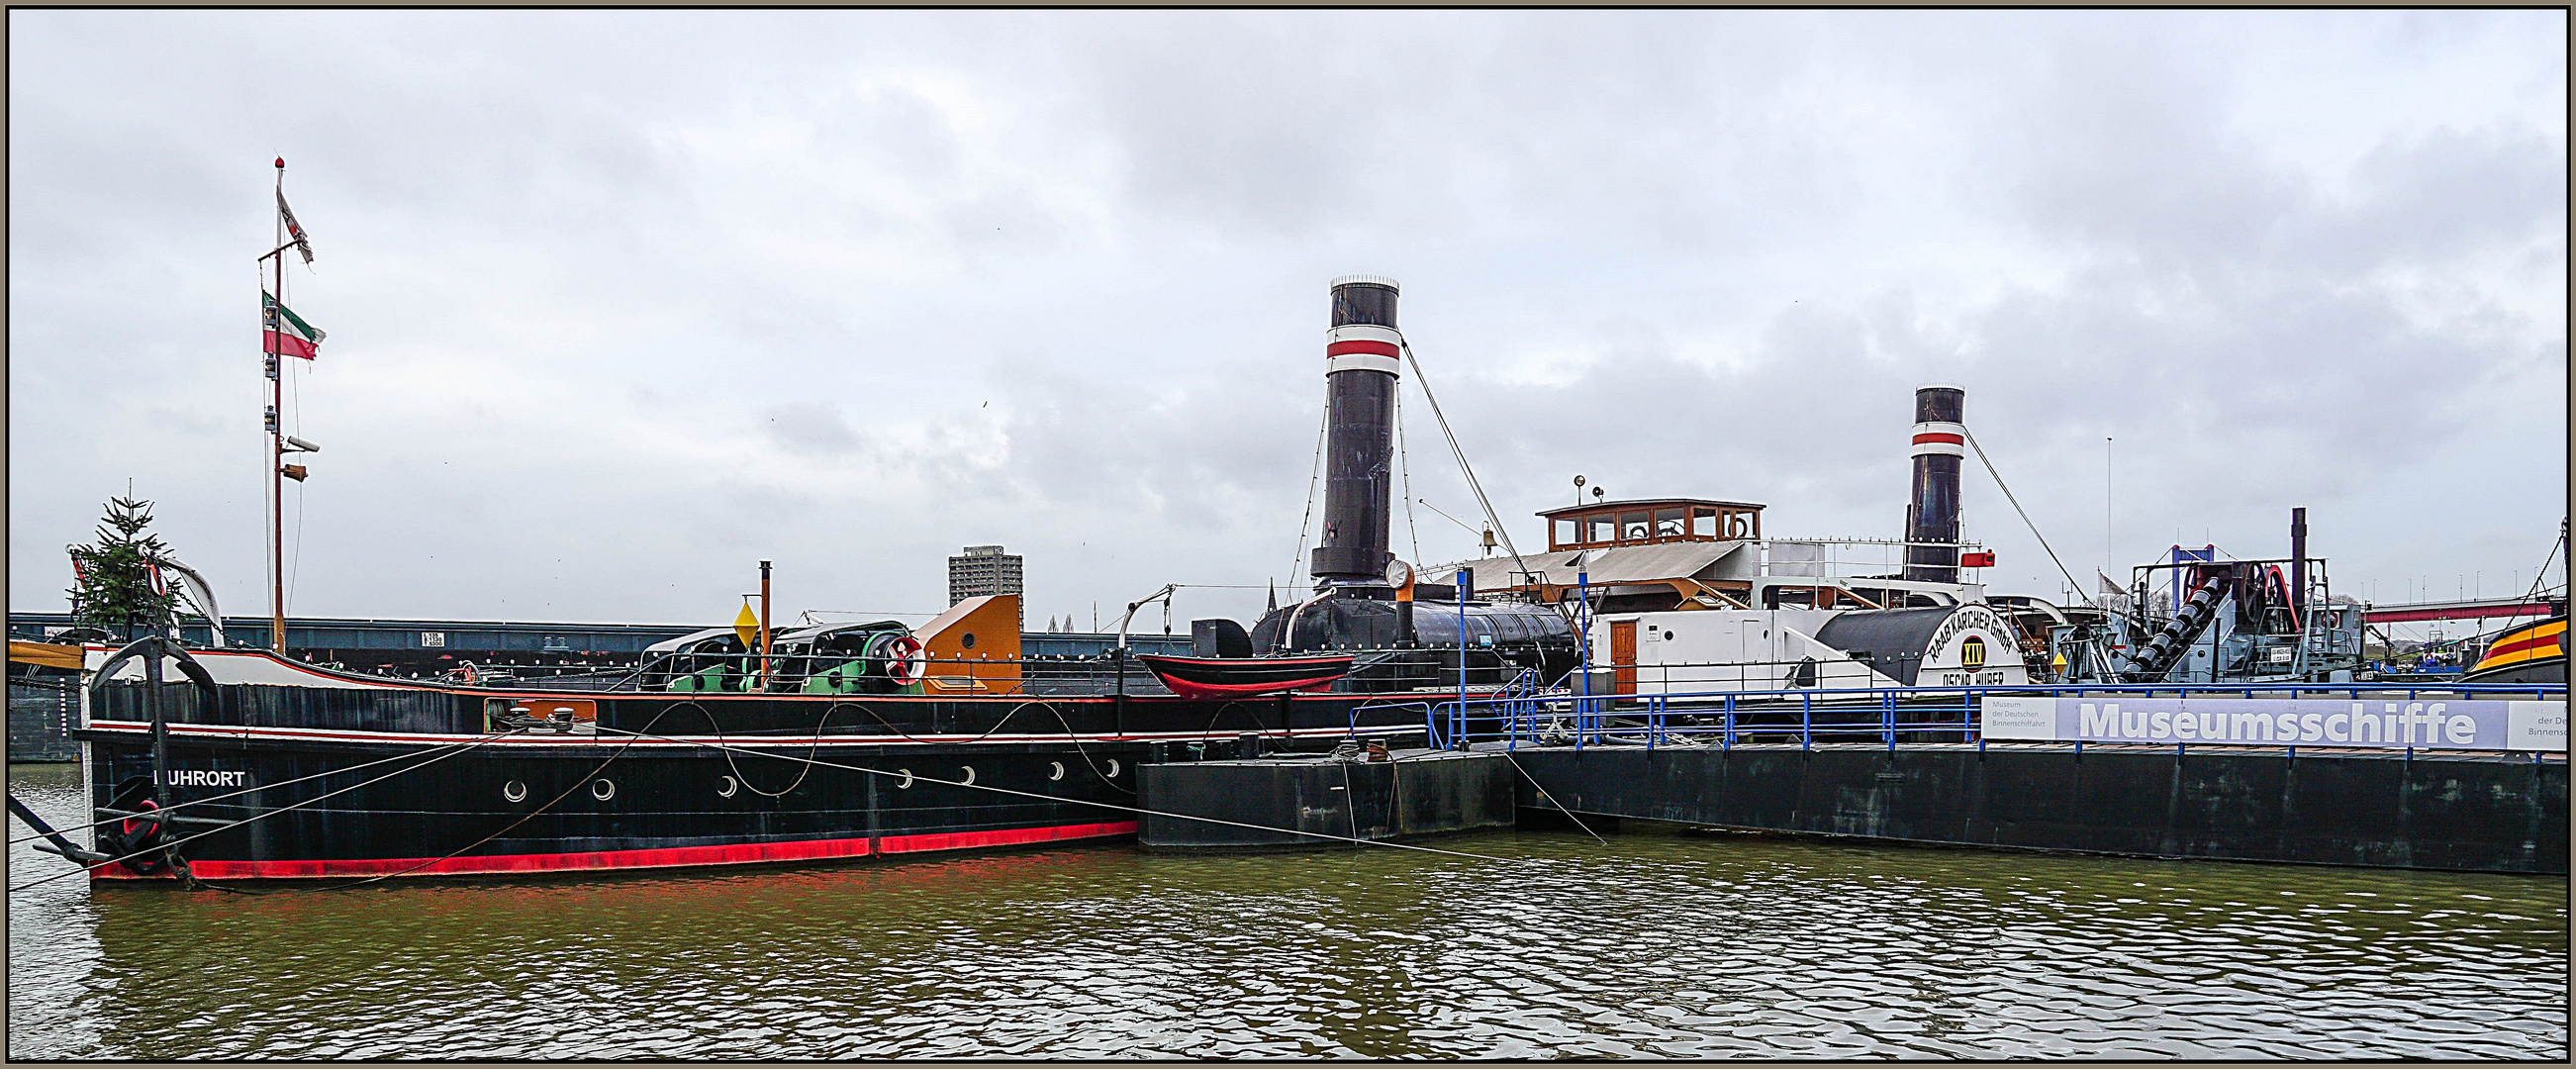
(294, 231)
(285, 332)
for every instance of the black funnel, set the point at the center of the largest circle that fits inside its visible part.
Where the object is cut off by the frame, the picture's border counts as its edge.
(1362, 356)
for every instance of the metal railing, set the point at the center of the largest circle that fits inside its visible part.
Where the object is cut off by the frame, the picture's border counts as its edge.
(1882, 715)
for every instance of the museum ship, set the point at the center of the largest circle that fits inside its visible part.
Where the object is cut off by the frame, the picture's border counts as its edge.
(734, 746)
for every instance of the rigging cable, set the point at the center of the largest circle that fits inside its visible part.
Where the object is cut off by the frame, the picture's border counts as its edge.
(2539, 581)
(1081, 801)
(1297, 565)
(175, 844)
(1499, 530)
(177, 806)
(1404, 464)
(577, 784)
(295, 570)
(2025, 517)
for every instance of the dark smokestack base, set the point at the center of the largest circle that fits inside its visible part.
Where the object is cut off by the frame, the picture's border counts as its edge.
(1940, 442)
(1362, 359)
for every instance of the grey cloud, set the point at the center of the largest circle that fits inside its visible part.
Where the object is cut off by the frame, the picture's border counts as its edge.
(746, 281)
(809, 428)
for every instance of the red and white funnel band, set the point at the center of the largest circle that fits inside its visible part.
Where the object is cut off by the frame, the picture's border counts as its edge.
(1363, 347)
(1940, 440)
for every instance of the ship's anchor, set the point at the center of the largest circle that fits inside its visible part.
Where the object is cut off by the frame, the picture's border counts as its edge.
(140, 840)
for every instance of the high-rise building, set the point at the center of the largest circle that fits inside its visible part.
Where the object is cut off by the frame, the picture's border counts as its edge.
(985, 570)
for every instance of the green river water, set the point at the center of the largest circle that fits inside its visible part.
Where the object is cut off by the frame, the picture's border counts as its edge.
(1660, 944)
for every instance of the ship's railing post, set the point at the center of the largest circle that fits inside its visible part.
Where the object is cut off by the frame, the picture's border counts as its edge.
(1979, 700)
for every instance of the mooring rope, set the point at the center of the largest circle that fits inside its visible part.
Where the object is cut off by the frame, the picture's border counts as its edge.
(635, 736)
(177, 806)
(175, 844)
(1083, 801)
(532, 814)
(1551, 799)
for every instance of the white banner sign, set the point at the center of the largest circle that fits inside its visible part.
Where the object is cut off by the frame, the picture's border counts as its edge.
(2423, 725)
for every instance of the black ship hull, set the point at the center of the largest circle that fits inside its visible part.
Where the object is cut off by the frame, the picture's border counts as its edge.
(648, 780)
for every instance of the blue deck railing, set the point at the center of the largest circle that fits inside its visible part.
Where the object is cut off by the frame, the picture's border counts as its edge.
(1521, 715)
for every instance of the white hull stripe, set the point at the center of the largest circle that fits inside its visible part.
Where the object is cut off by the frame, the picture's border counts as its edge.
(613, 738)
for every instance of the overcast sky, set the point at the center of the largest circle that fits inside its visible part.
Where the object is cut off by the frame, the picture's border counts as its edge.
(621, 303)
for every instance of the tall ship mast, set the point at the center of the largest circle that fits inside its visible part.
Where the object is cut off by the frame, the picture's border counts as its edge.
(282, 334)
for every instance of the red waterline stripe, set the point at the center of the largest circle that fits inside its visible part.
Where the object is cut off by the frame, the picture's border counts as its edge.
(1360, 346)
(968, 840)
(1952, 439)
(660, 857)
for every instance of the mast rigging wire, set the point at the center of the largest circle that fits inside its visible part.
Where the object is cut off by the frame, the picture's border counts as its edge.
(1404, 463)
(2025, 517)
(1297, 564)
(2539, 581)
(1499, 530)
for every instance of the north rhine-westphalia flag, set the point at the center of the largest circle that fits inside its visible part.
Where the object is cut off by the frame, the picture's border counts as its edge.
(285, 332)
(293, 230)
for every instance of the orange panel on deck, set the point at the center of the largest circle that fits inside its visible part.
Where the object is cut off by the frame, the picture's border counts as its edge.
(979, 639)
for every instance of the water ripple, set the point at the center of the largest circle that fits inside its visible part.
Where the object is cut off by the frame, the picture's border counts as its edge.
(1661, 945)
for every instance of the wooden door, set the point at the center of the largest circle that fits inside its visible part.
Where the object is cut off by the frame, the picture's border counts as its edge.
(1623, 657)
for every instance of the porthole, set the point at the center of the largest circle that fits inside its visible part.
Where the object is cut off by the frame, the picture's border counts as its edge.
(967, 640)
(1055, 770)
(907, 780)
(1113, 768)
(730, 788)
(602, 789)
(514, 791)
(970, 775)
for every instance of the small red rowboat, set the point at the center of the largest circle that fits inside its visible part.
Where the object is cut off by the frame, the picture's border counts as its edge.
(1240, 677)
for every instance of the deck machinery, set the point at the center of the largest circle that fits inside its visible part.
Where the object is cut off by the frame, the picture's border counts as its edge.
(2198, 616)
